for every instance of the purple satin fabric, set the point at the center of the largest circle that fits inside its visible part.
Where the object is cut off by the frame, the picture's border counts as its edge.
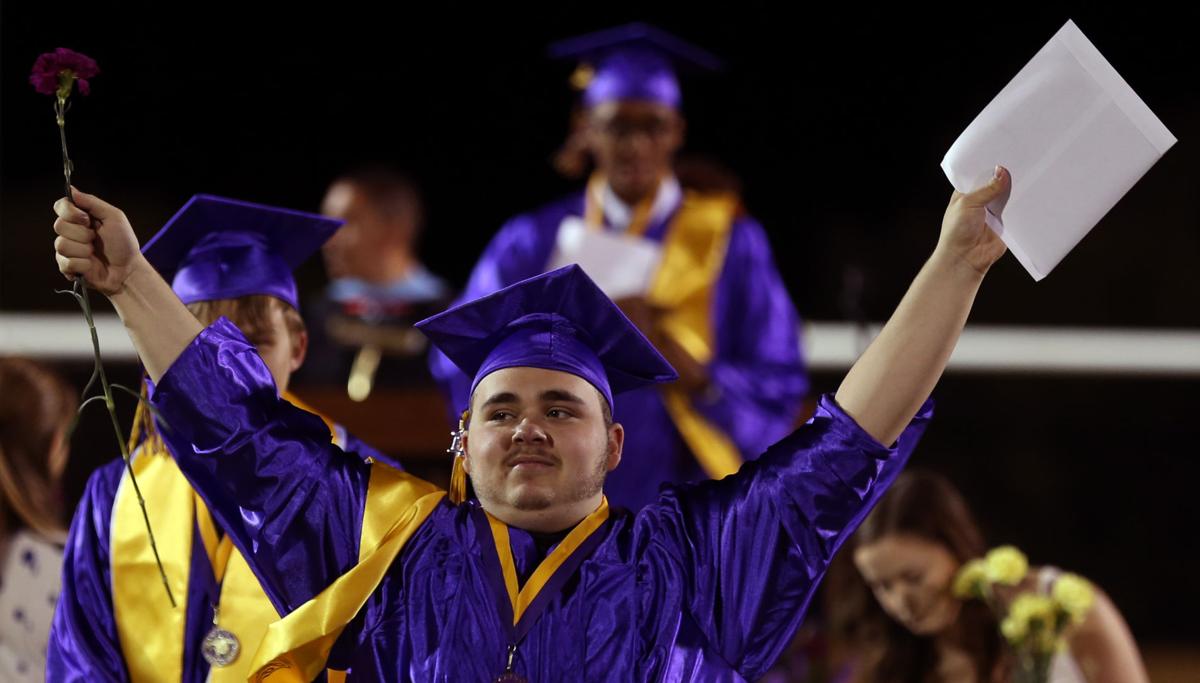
(546, 341)
(84, 645)
(232, 265)
(757, 373)
(707, 583)
(637, 75)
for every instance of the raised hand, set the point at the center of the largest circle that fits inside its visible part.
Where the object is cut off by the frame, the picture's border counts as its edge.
(964, 232)
(95, 240)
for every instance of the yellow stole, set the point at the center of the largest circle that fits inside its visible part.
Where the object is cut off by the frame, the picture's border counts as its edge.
(522, 598)
(693, 254)
(151, 634)
(684, 287)
(296, 647)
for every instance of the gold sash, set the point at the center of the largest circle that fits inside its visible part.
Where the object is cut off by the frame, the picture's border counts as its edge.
(693, 254)
(296, 647)
(151, 634)
(692, 259)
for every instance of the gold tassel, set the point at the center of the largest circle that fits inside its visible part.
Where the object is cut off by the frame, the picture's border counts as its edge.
(582, 76)
(144, 432)
(458, 472)
(458, 481)
(139, 416)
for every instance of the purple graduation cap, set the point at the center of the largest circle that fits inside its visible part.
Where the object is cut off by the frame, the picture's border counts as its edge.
(218, 248)
(634, 62)
(557, 321)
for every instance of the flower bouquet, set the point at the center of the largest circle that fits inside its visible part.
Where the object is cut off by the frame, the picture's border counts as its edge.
(1035, 625)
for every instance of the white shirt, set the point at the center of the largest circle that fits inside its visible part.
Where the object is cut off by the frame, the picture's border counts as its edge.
(618, 214)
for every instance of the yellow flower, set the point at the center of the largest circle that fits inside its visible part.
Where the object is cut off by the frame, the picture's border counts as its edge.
(1075, 595)
(1030, 618)
(1014, 630)
(1006, 565)
(967, 581)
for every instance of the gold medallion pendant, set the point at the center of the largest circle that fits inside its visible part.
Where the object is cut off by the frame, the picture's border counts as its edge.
(220, 647)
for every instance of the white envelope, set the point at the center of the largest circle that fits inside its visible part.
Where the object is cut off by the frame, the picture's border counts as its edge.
(622, 265)
(1075, 137)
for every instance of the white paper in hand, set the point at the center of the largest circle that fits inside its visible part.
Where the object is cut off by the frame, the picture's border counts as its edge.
(1074, 136)
(621, 265)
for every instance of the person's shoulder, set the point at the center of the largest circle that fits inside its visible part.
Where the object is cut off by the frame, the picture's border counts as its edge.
(548, 214)
(104, 481)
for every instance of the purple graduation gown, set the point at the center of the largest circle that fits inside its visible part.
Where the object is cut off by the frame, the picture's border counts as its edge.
(708, 583)
(757, 372)
(84, 645)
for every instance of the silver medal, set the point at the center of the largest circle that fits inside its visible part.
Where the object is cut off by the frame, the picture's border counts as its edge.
(220, 647)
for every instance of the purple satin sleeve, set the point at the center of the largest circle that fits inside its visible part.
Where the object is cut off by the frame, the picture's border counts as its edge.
(289, 498)
(83, 636)
(520, 250)
(749, 551)
(757, 376)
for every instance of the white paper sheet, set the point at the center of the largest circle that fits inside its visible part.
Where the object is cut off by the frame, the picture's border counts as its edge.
(1075, 137)
(622, 265)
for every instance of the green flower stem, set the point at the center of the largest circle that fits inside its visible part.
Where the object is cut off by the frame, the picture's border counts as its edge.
(60, 116)
(79, 291)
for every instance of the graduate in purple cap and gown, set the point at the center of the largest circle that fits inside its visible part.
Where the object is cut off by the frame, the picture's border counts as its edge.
(714, 303)
(114, 620)
(535, 578)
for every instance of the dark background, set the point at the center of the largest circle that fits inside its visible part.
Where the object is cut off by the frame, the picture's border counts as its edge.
(836, 124)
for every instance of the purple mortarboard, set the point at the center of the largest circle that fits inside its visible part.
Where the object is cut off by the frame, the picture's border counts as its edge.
(218, 248)
(634, 62)
(557, 321)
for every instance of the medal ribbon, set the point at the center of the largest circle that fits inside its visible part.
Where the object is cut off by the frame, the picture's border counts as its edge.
(521, 607)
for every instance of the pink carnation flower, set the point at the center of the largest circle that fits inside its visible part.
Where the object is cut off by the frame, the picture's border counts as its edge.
(53, 72)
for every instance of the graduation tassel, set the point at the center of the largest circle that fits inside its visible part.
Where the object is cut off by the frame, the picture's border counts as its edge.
(139, 416)
(458, 472)
(458, 481)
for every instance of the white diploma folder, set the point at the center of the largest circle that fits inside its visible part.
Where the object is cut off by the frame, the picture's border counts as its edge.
(621, 265)
(1075, 137)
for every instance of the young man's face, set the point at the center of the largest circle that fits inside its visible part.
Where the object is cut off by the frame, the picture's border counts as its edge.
(279, 351)
(538, 447)
(634, 144)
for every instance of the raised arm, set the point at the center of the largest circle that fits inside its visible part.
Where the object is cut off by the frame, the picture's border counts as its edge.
(291, 501)
(96, 241)
(750, 549)
(886, 386)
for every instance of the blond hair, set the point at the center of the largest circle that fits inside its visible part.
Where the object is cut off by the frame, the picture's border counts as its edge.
(252, 315)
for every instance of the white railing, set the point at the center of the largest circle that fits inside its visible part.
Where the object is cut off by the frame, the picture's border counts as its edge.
(827, 345)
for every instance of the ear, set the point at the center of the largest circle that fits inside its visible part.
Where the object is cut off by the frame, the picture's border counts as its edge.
(616, 444)
(466, 441)
(299, 349)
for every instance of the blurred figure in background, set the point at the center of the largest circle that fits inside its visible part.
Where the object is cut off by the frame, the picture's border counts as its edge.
(36, 409)
(690, 268)
(896, 609)
(378, 288)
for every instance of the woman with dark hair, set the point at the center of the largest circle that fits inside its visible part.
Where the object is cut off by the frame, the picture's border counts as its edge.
(904, 623)
(36, 408)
